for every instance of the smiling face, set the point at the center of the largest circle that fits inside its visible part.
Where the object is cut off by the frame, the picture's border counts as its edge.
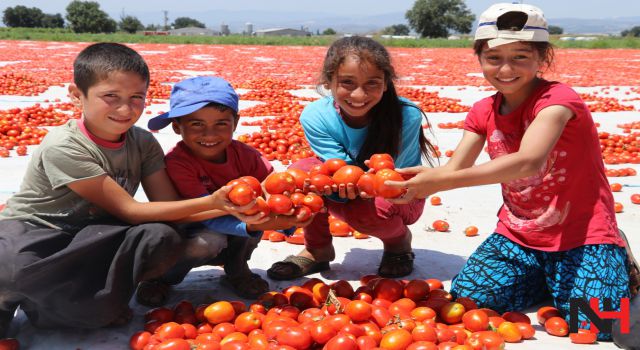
(357, 86)
(512, 69)
(113, 105)
(207, 132)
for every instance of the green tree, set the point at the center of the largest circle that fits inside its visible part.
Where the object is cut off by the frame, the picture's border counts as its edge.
(183, 22)
(52, 21)
(396, 29)
(22, 16)
(329, 31)
(555, 30)
(435, 18)
(87, 17)
(130, 24)
(634, 31)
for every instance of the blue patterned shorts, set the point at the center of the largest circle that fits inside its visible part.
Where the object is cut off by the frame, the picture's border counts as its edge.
(503, 275)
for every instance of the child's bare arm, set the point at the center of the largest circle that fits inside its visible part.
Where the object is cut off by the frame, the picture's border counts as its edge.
(107, 194)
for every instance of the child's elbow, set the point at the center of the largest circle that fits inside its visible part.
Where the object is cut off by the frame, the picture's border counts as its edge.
(531, 166)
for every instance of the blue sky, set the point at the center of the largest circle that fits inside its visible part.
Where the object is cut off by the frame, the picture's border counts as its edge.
(552, 8)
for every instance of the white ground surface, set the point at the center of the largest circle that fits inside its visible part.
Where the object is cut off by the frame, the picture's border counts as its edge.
(438, 255)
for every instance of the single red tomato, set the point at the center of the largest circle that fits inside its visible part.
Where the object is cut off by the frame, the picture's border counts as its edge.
(241, 194)
(397, 339)
(279, 183)
(546, 312)
(253, 182)
(299, 177)
(435, 200)
(174, 344)
(452, 313)
(279, 204)
(440, 226)
(635, 198)
(383, 190)
(219, 312)
(556, 326)
(348, 174)
(333, 164)
(475, 320)
(583, 337)
(320, 181)
(313, 201)
(366, 184)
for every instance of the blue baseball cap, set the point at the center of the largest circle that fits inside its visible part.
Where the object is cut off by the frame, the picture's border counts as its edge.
(192, 94)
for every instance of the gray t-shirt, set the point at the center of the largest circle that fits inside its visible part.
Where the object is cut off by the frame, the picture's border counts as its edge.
(67, 155)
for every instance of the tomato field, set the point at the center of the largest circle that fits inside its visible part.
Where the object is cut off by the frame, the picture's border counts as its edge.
(274, 83)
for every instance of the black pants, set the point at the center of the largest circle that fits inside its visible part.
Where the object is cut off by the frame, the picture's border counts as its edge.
(82, 280)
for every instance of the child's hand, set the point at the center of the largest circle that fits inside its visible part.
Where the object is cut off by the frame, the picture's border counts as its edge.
(348, 191)
(220, 200)
(426, 182)
(326, 191)
(254, 219)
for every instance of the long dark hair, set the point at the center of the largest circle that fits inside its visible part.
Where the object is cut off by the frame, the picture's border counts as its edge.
(385, 127)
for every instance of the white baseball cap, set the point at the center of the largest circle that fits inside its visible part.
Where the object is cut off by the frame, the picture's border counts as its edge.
(526, 23)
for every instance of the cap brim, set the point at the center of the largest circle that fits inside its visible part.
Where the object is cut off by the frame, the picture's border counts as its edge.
(164, 119)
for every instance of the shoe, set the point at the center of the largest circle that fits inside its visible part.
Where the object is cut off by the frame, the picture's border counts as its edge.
(296, 267)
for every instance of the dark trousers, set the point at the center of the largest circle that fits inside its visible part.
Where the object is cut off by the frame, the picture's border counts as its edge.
(82, 280)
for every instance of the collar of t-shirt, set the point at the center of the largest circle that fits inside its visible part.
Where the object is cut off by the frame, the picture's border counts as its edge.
(97, 140)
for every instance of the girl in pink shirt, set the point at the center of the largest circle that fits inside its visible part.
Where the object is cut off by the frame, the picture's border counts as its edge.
(556, 234)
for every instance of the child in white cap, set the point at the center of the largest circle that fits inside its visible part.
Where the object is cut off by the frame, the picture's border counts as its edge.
(556, 233)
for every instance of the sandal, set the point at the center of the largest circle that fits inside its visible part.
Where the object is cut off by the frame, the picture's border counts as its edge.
(152, 293)
(401, 263)
(297, 266)
(634, 268)
(246, 286)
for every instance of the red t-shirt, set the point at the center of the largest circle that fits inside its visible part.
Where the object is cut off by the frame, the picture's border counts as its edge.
(568, 203)
(194, 177)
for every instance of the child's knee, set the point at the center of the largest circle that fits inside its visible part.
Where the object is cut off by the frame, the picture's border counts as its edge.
(205, 245)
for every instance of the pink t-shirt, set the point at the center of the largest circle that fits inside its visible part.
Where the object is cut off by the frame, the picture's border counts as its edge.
(194, 177)
(568, 203)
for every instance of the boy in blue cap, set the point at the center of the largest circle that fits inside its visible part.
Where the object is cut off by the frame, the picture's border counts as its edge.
(204, 111)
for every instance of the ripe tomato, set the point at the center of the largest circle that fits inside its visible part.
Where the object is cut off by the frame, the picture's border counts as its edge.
(174, 344)
(416, 290)
(475, 320)
(279, 204)
(388, 289)
(261, 206)
(557, 326)
(358, 310)
(471, 231)
(279, 183)
(434, 284)
(546, 312)
(526, 330)
(348, 174)
(170, 330)
(219, 312)
(383, 190)
(241, 194)
(509, 332)
(341, 342)
(320, 181)
(366, 184)
(616, 187)
(161, 314)
(313, 201)
(297, 198)
(339, 228)
(381, 161)
(435, 200)
(515, 316)
(422, 313)
(248, 321)
(635, 198)
(319, 169)
(618, 207)
(397, 339)
(583, 337)
(299, 176)
(440, 226)
(253, 182)
(333, 164)
(452, 313)
(137, 341)
(491, 340)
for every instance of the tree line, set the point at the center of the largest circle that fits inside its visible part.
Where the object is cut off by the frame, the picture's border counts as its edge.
(427, 18)
(83, 17)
